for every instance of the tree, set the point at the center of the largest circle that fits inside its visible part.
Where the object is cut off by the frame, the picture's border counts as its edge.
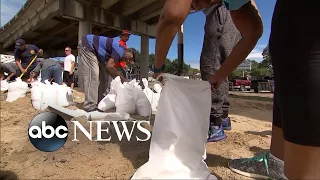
(235, 74)
(266, 62)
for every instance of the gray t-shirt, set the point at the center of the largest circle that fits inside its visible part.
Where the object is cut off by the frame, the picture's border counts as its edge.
(45, 64)
(10, 67)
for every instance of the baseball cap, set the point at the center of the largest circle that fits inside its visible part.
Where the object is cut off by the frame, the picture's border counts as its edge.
(126, 32)
(20, 42)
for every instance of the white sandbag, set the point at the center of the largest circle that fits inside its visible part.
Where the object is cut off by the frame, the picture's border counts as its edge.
(109, 101)
(4, 85)
(61, 94)
(16, 90)
(49, 94)
(180, 132)
(157, 87)
(147, 90)
(124, 102)
(155, 101)
(143, 106)
(69, 95)
(37, 92)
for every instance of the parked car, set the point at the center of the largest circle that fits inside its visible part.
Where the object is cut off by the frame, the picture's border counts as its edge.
(240, 84)
(265, 84)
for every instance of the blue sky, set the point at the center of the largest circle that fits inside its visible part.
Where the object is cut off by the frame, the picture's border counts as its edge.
(193, 31)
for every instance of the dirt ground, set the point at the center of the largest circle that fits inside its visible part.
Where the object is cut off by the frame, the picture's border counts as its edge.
(250, 134)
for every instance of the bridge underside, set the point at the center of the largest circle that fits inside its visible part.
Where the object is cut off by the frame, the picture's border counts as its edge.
(55, 24)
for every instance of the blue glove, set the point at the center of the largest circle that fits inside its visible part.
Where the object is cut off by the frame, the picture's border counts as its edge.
(234, 4)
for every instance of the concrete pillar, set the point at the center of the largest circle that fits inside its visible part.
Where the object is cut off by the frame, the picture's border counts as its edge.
(180, 51)
(144, 61)
(85, 27)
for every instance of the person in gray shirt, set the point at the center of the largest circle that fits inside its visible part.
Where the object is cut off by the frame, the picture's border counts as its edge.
(11, 69)
(49, 69)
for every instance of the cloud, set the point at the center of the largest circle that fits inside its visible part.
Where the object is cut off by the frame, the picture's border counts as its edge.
(256, 53)
(8, 9)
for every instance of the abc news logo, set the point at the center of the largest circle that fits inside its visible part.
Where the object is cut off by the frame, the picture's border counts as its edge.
(48, 131)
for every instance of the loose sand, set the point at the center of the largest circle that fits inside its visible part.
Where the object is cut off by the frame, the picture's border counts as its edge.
(250, 134)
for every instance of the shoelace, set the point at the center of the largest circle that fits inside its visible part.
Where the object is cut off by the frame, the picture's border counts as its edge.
(259, 158)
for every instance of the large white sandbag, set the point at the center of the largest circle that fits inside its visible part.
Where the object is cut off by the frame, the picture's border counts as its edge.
(157, 87)
(69, 95)
(155, 101)
(108, 102)
(180, 132)
(124, 101)
(49, 94)
(61, 94)
(143, 106)
(147, 90)
(16, 90)
(37, 92)
(4, 85)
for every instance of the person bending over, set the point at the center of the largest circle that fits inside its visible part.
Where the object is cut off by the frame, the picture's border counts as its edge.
(98, 56)
(24, 54)
(49, 69)
(220, 37)
(11, 69)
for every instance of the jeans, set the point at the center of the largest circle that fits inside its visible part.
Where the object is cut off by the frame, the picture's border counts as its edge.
(52, 71)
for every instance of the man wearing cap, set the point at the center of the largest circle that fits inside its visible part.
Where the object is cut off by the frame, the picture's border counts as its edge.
(98, 56)
(122, 65)
(24, 54)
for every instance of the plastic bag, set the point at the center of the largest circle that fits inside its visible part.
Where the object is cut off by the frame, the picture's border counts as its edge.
(180, 132)
(157, 87)
(16, 90)
(109, 101)
(124, 101)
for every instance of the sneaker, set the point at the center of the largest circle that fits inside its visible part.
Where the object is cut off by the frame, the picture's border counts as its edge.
(259, 167)
(226, 124)
(216, 134)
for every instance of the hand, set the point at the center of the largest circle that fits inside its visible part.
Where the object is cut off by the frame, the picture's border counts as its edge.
(40, 51)
(22, 70)
(70, 73)
(32, 74)
(8, 79)
(215, 80)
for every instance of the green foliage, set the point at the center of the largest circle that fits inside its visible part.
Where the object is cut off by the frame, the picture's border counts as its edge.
(258, 70)
(170, 66)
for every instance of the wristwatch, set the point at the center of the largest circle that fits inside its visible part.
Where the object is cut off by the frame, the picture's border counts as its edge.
(158, 70)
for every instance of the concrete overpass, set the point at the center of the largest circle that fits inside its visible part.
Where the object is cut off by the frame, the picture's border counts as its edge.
(54, 24)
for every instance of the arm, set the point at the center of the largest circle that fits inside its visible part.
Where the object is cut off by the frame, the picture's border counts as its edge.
(171, 18)
(10, 69)
(38, 51)
(73, 60)
(113, 71)
(17, 57)
(38, 68)
(248, 22)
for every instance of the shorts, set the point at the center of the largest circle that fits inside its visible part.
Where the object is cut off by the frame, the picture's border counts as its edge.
(295, 52)
(67, 78)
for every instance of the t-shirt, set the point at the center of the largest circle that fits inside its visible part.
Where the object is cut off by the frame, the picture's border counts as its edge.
(45, 64)
(10, 68)
(67, 62)
(27, 55)
(122, 63)
(103, 47)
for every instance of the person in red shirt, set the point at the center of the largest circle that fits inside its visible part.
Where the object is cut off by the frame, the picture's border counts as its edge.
(124, 37)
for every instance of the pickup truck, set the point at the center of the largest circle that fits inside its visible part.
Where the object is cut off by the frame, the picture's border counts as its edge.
(240, 84)
(266, 84)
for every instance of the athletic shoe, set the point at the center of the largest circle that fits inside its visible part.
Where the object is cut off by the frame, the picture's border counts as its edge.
(259, 167)
(216, 134)
(226, 124)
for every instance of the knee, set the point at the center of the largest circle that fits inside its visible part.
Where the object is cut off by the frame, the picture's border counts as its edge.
(172, 16)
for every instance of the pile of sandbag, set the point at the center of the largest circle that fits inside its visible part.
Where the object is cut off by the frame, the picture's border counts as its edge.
(45, 94)
(16, 90)
(126, 98)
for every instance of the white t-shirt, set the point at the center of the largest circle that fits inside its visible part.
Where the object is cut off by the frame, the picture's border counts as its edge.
(67, 62)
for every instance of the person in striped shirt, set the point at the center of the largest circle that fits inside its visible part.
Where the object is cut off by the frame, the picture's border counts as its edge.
(98, 57)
